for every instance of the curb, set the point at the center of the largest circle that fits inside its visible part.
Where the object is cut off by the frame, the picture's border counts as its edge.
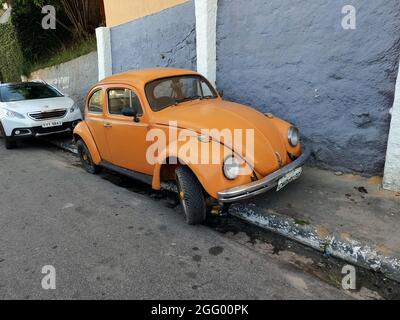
(349, 250)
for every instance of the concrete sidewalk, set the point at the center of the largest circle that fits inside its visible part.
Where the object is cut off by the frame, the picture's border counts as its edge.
(346, 216)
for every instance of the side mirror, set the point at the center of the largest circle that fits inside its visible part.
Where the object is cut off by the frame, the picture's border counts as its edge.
(128, 112)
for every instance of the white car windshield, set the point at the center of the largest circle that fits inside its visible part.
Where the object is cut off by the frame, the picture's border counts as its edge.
(27, 91)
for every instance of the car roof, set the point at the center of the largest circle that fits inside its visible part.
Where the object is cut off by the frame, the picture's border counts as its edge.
(144, 76)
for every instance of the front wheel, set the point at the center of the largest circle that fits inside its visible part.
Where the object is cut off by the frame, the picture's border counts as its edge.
(8, 142)
(191, 196)
(86, 158)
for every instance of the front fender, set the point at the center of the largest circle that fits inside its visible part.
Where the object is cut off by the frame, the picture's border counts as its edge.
(82, 131)
(209, 173)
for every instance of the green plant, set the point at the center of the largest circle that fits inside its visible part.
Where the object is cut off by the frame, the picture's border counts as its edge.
(83, 15)
(26, 46)
(63, 55)
(10, 54)
(35, 42)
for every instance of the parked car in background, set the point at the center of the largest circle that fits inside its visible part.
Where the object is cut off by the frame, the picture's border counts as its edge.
(34, 109)
(122, 110)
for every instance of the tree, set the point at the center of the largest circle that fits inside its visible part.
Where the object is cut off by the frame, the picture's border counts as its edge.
(37, 44)
(31, 44)
(84, 15)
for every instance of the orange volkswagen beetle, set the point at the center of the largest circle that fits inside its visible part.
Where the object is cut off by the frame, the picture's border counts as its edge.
(163, 125)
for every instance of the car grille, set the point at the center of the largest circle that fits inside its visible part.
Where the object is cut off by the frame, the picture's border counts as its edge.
(52, 114)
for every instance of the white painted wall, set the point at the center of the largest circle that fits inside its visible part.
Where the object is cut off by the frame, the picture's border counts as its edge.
(6, 15)
(206, 37)
(103, 36)
(391, 179)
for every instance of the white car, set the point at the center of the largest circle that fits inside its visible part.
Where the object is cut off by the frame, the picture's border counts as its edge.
(33, 109)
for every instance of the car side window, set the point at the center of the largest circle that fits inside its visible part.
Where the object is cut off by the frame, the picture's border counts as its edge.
(119, 99)
(96, 102)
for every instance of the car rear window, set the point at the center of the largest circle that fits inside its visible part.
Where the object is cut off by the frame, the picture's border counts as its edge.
(27, 91)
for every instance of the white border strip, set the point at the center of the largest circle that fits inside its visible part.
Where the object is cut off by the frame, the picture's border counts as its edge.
(206, 38)
(103, 36)
(391, 179)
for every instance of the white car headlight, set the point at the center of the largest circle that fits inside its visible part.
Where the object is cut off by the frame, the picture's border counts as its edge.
(73, 108)
(294, 136)
(13, 114)
(231, 168)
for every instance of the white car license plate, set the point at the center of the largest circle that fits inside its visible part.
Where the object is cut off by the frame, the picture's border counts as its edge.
(51, 124)
(290, 177)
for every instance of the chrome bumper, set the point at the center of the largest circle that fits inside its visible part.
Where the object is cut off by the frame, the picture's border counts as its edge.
(262, 185)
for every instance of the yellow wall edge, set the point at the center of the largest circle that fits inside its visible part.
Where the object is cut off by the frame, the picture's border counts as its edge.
(122, 11)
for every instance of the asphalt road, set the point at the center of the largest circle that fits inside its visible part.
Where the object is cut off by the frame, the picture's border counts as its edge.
(106, 242)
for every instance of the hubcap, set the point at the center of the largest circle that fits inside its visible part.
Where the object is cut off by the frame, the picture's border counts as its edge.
(85, 158)
(181, 195)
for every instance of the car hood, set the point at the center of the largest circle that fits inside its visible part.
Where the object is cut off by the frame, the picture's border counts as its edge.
(27, 106)
(269, 145)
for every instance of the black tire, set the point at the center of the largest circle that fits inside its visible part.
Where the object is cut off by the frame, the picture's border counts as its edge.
(191, 196)
(86, 158)
(8, 142)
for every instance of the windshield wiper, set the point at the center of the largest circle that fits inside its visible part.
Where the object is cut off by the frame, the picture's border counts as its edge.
(188, 99)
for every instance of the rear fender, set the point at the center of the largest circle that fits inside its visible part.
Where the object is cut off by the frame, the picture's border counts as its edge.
(82, 131)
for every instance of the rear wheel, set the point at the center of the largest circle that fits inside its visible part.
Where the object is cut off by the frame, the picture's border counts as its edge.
(8, 142)
(191, 196)
(86, 158)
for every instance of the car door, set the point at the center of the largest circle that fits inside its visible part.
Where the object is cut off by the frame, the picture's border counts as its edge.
(127, 138)
(95, 112)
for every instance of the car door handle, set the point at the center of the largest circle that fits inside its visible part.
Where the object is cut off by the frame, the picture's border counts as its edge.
(107, 125)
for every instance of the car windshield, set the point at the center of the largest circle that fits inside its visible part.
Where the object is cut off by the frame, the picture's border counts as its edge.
(167, 92)
(27, 91)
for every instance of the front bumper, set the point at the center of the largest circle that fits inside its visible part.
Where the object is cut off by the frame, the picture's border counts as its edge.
(24, 133)
(263, 185)
(10, 125)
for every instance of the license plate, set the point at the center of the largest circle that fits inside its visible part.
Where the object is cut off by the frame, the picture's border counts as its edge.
(51, 124)
(288, 178)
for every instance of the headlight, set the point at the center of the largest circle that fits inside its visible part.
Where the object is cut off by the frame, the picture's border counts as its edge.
(73, 108)
(13, 114)
(231, 168)
(294, 136)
